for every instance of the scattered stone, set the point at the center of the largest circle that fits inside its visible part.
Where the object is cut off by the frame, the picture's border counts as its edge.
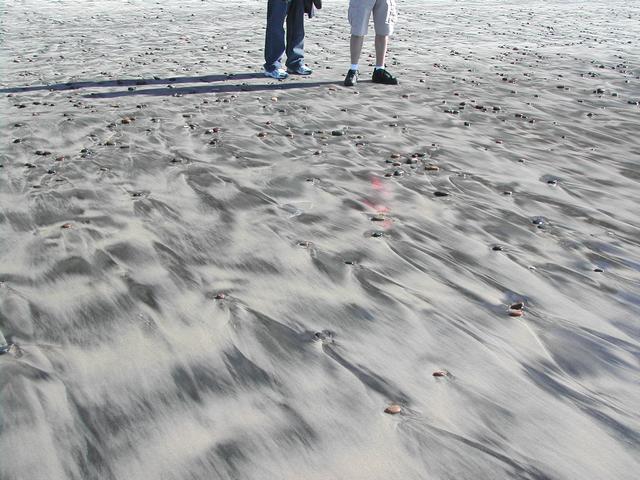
(497, 248)
(262, 134)
(440, 373)
(377, 234)
(126, 120)
(66, 226)
(337, 133)
(598, 270)
(220, 296)
(517, 306)
(439, 193)
(516, 313)
(432, 168)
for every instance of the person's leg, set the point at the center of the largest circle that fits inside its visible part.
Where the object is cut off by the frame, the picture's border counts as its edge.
(295, 35)
(274, 45)
(384, 19)
(356, 48)
(381, 49)
(359, 14)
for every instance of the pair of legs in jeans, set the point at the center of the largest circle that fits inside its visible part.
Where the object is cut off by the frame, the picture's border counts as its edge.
(277, 43)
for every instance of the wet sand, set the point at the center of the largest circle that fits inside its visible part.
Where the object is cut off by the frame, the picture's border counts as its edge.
(205, 273)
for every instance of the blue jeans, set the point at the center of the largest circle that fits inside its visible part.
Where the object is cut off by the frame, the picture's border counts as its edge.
(274, 45)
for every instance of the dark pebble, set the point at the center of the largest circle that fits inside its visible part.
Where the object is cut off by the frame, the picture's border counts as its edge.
(440, 194)
(337, 133)
(497, 248)
(598, 270)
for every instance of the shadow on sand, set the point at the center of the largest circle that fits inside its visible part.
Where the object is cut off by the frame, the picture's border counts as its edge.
(170, 90)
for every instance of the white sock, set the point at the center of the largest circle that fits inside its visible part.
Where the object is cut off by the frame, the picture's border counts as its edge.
(379, 67)
(354, 66)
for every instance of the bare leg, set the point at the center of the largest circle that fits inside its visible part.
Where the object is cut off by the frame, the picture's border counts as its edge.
(356, 48)
(381, 49)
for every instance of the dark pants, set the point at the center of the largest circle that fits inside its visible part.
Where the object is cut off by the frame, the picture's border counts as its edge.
(274, 45)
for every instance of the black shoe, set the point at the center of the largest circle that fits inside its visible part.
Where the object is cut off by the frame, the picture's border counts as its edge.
(351, 79)
(380, 75)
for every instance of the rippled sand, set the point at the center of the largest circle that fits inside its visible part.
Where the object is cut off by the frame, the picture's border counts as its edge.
(216, 276)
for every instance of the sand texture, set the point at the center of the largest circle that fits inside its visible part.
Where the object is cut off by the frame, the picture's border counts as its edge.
(209, 274)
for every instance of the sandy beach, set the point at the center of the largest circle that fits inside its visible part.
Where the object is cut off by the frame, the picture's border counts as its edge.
(210, 274)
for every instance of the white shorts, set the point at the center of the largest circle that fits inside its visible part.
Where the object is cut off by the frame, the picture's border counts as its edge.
(385, 15)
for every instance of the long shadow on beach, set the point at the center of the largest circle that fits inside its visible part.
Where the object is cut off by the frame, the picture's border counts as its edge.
(169, 91)
(132, 82)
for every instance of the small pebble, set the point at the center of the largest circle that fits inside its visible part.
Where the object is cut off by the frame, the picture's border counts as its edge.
(516, 313)
(393, 409)
(438, 193)
(517, 306)
(66, 226)
(440, 373)
(220, 296)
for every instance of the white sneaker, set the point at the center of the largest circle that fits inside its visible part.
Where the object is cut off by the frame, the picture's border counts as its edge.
(301, 70)
(278, 74)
